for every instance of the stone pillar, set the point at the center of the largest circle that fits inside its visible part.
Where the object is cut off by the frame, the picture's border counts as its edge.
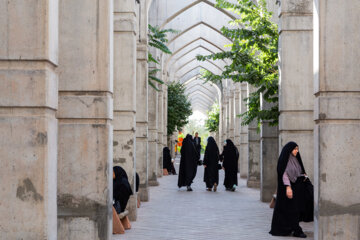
(125, 94)
(296, 100)
(142, 155)
(253, 177)
(269, 149)
(165, 105)
(28, 127)
(237, 121)
(160, 138)
(231, 116)
(153, 135)
(337, 119)
(85, 112)
(244, 141)
(224, 119)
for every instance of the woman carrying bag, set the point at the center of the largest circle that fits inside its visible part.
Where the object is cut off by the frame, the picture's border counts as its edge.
(295, 194)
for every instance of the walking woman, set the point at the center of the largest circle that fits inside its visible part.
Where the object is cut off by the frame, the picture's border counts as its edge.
(211, 160)
(230, 157)
(295, 194)
(188, 163)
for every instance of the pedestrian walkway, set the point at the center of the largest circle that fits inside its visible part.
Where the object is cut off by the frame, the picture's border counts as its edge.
(174, 214)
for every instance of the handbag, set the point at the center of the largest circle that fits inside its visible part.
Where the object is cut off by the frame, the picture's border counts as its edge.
(117, 206)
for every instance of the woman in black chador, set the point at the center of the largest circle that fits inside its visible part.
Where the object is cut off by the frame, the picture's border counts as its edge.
(167, 164)
(230, 157)
(121, 189)
(295, 194)
(188, 163)
(211, 160)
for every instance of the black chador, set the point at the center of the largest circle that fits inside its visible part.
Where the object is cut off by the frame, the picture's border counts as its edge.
(121, 187)
(230, 157)
(288, 212)
(188, 163)
(211, 161)
(167, 164)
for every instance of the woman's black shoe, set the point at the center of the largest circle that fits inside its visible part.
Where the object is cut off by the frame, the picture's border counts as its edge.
(299, 235)
(189, 189)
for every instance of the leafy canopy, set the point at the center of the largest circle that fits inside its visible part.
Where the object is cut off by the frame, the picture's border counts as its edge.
(158, 40)
(253, 57)
(179, 107)
(212, 123)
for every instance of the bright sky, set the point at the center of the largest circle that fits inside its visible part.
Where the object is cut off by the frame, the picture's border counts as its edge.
(198, 116)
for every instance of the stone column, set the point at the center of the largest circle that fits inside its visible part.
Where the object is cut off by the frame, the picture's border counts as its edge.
(28, 127)
(337, 119)
(224, 119)
(237, 123)
(153, 135)
(296, 98)
(231, 116)
(160, 140)
(142, 154)
(244, 141)
(165, 106)
(125, 94)
(269, 152)
(85, 111)
(253, 177)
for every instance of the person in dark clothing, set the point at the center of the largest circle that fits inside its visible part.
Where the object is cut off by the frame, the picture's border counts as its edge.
(121, 188)
(197, 142)
(230, 157)
(137, 182)
(211, 163)
(167, 163)
(188, 163)
(295, 194)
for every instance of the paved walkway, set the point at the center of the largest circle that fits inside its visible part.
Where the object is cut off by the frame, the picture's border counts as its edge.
(174, 214)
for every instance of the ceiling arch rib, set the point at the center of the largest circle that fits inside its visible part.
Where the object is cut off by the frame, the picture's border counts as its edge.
(195, 62)
(200, 31)
(184, 5)
(202, 41)
(199, 91)
(206, 90)
(200, 97)
(201, 103)
(211, 96)
(188, 68)
(191, 58)
(197, 82)
(208, 85)
(196, 48)
(201, 24)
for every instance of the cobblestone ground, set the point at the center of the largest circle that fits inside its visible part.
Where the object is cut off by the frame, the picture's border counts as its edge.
(174, 214)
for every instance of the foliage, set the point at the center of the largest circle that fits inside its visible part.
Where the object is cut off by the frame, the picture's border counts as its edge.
(179, 107)
(253, 57)
(212, 123)
(196, 125)
(158, 40)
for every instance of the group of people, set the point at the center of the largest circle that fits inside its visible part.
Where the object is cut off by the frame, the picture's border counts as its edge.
(213, 162)
(295, 193)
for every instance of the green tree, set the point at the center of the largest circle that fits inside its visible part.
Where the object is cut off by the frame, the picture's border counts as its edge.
(253, 57)
(179, 107)
(212, 123)
(158, 40)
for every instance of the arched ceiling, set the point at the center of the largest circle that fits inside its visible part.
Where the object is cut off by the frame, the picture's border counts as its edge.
(199, 24)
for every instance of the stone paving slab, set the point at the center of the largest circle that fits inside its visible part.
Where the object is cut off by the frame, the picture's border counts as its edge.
(174, 214)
